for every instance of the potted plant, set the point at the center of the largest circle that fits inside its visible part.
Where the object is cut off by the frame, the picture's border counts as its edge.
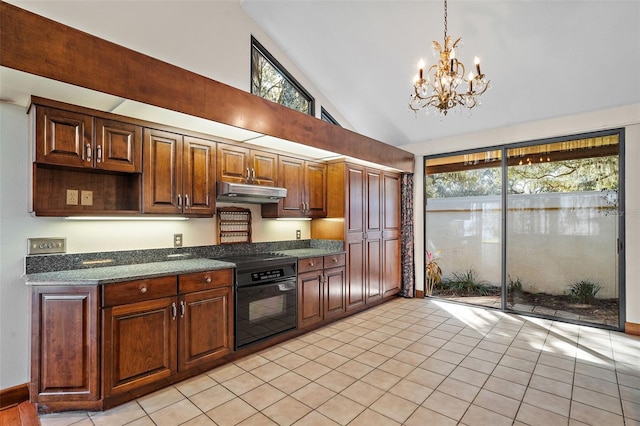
(433, 273)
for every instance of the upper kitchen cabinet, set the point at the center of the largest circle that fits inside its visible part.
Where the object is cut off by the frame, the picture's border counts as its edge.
(178, 174)
(306, 184)
(85, 161)
(73, 139)
(243, 165)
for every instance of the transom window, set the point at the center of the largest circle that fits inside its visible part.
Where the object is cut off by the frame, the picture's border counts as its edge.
(325, 116)
(270, 80)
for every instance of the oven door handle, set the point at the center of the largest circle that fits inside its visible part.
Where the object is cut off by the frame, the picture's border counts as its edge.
(287, 286)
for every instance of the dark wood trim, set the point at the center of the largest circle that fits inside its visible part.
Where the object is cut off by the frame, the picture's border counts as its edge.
(632, 328)
(40, 46)
(420, 294)
(14, 395)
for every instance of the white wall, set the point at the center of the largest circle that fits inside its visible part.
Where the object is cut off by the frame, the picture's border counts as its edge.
(627, 117)
(554, 239)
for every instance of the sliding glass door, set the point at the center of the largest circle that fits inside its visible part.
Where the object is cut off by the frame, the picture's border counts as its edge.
(562, 229)
(530, 228)
(463, 217)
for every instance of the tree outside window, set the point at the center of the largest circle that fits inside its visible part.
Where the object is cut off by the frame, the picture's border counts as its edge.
(271, 81)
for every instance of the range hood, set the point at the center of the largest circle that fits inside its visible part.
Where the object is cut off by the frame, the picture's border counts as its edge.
(253, 194)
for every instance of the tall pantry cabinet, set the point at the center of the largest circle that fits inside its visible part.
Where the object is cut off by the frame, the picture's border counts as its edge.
(368, 200)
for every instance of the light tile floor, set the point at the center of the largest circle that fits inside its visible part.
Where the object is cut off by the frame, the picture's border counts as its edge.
(410, 362)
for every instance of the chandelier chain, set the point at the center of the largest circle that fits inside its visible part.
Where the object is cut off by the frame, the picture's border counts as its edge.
(445, 19)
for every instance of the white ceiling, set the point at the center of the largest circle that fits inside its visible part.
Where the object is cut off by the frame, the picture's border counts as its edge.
(544, 58)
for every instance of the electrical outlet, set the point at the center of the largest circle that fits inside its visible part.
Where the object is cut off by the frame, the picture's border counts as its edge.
(72, 197)
(177, 240)
(86, 198)
(298, 234)
(47, 245)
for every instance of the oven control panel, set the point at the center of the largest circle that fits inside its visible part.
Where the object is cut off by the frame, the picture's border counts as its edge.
(267, 275)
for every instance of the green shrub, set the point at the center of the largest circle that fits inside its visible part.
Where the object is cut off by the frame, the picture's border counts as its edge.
(584, 291)
(466, 283)
(515, 286)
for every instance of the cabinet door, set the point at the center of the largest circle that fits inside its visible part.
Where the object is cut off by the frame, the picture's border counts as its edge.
(233, 163)
(391, 236)
(354, 244)
(315, 185)
(206, 327)
(63, 138)
(264, 168)
(356, 284)
(139, 344)
(162, 172)
(309, 298)
(334, 290)
(373, 234)
(198, 183)
(64, 344)
(392, 268)
(355, 201)
(118, 146)
(291, 176)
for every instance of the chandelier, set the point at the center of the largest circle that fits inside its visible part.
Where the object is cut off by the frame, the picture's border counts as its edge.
(439, 90)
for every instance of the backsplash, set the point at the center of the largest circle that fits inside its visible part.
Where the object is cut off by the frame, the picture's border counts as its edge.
(61, 262)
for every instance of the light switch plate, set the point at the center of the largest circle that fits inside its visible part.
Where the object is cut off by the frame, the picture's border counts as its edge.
(86, 198)
(47, 245)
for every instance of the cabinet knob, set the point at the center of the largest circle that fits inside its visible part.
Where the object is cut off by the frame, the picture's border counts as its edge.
(311, 263)
(335, 259)
(208, 279)
(143, 289)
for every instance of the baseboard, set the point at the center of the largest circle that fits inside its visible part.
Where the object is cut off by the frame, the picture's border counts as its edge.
(420, 294)
(14, 395)
(632, 328)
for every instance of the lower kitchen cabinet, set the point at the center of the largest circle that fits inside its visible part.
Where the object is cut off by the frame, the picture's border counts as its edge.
(154, 331)
(321, 289)
(64, 346)
(205, 327)
(139, 344)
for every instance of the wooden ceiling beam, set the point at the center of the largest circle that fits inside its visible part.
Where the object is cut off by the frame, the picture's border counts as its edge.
(43, 47)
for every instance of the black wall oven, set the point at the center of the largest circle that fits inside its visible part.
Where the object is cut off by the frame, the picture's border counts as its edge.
(265, 297)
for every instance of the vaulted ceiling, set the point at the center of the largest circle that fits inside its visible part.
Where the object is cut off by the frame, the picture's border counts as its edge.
(544, 58)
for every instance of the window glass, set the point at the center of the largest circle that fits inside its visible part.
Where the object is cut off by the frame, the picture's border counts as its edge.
(325, 116)
(271, 81)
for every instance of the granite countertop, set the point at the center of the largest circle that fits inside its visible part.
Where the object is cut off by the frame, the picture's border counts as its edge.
(113, 274)
(151, 269)
(310, 252)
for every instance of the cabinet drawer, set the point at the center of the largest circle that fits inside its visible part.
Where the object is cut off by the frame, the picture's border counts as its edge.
(309, 264)
(334, 260)
(198, 281)
(138, 291)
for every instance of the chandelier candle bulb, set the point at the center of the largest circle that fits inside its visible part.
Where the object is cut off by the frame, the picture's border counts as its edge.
(477, 62)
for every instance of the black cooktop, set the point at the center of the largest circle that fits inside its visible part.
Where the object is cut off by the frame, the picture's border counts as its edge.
(257, 259)
(262, 267)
